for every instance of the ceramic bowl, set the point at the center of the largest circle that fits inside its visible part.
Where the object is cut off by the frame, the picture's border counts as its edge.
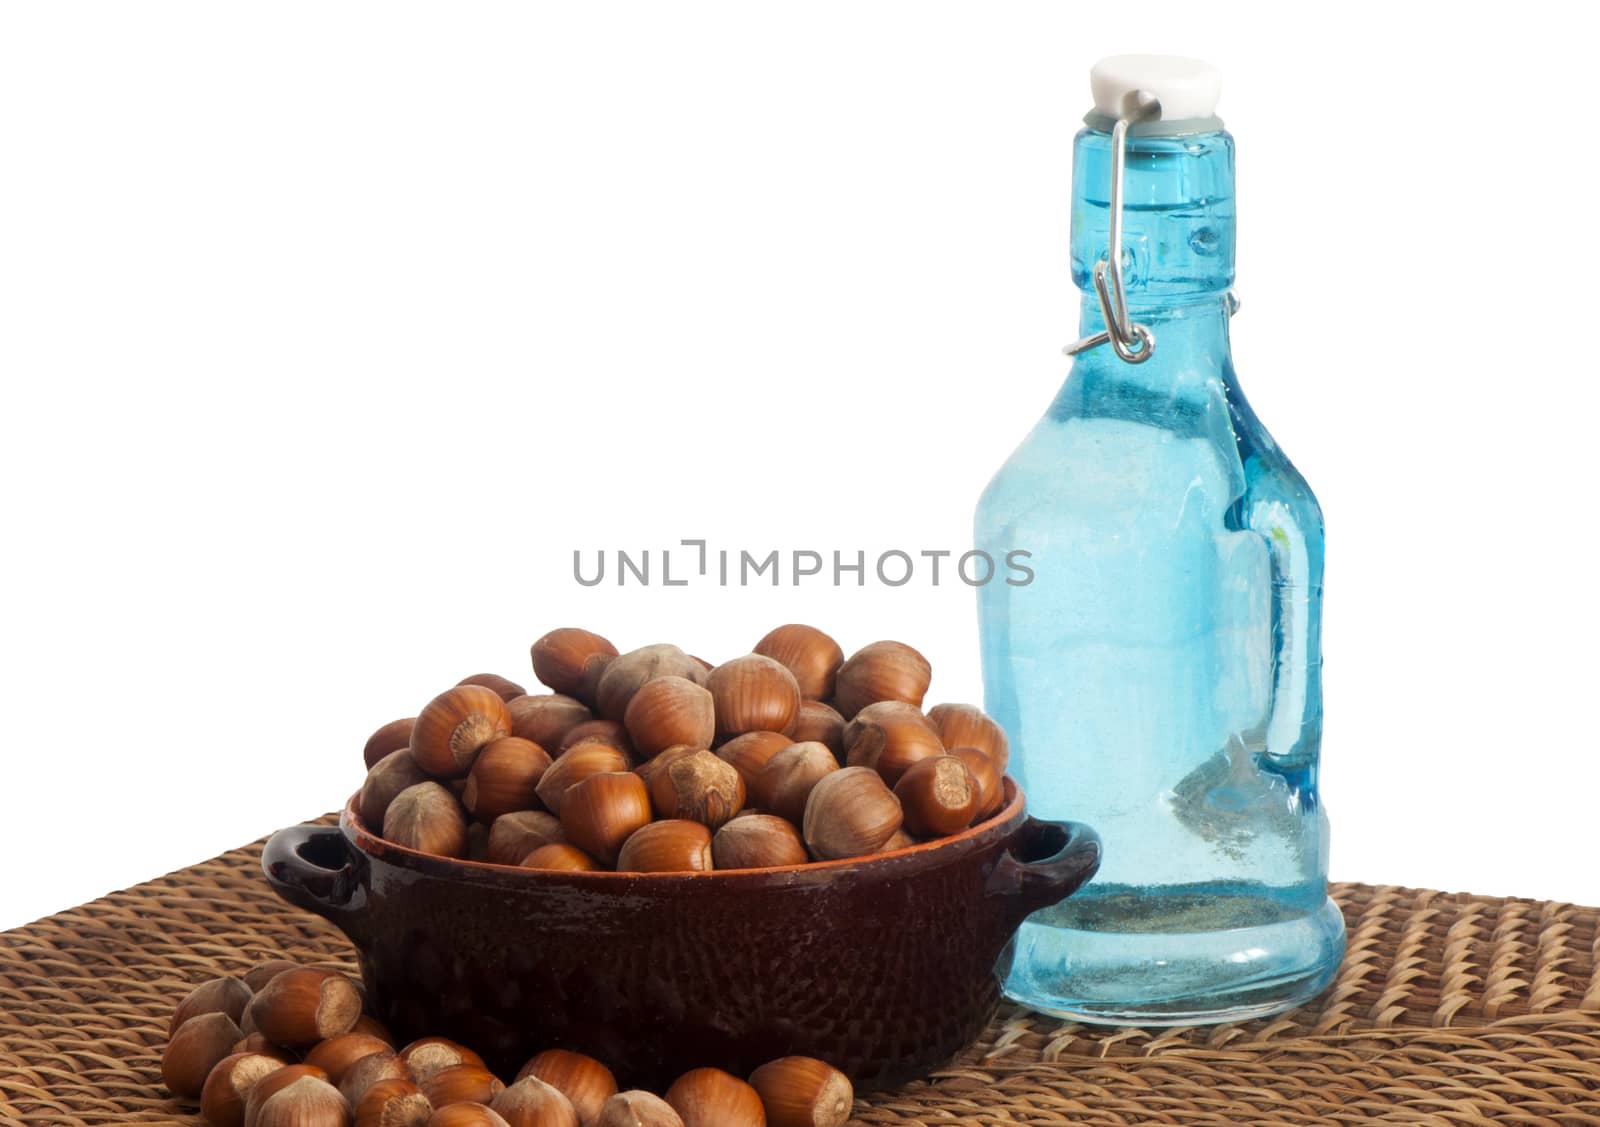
(883, 965)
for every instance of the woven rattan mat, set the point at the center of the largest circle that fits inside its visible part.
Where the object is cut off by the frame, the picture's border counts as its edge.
(1449, 1009)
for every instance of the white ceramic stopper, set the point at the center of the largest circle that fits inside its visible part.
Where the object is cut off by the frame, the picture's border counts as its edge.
(1186, 88)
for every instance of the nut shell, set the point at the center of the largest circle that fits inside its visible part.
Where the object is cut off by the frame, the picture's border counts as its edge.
(466, 1115)
(812, 656)
(604, 731)
(361, 1076)
(786, 781)
(753, 694)
(300, 1007)
(546, 718)
(749, 753)
(585, 1082)
(574, 766)
(393, 1103)
(306, 1101)
(428, 1055)
(561, 857)
(387, 740)
(227, 1087)
(227, 995)
(462, 1083)
(851, 812)
(600, 813)
(819, 722)
(939, 796)
(967, 725)
(881, 671)
(803, 1092)
(262, 973)
(758, 841)
(627, 673)
(671, 846)
(505, 778)
(889, 737)
(336, 1055)
(991, 782)
(197, 1046)
(513, 836)
(427, 818)
(698, 786)
(454, 726)
(504, 687)
(387, 778)
(570, 660)
(668, 712)
(710, 1097)
(530, 1102)
(638, 1109)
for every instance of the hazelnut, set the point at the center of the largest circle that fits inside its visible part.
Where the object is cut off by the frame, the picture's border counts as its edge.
(749, 753)
(668, 711)
(812, 656)
(671, 846)
(428, 819)
(900, 840)
(710, 1097)
(881, 671)
(585, 1082)
(387, 778)
(889, 737)
(655, 765)
(277, 1080)
(850, 813)
(819, 723)
(990, 780)
(561, 857)
(513, 836)
(227, 1087)
(428, 1055)
(227, 995)
(304, 1102)
(758, 841)
(258, 1045)
(604, 731)
(374, 1028)
(966, 725)
(196, 1047)
(303, 1006)
(570, 661)
(393, 1103)
(698, 786)
(574, 766)
(785, 782)
(638, 1109)
(454, 726)
(753, 694)
(504, 686)
(626, 674)
(388, 739)
(803, 1092)
(546, 718)
(263, 973)
(361, 1076)
(531, 1102)
(504, 777)
(938, 796)
(462, 1083)
(336, 1055)
(601, 812)
(466, 1115)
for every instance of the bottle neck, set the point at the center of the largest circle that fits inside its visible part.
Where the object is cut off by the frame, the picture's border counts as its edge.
(1191, 343)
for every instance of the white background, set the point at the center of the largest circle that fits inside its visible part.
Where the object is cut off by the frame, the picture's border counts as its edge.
(329, 332)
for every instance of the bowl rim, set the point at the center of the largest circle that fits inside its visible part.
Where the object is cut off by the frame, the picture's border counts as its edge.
(1010, 816)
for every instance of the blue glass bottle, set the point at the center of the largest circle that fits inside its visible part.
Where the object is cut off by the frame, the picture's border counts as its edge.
(1160, 677)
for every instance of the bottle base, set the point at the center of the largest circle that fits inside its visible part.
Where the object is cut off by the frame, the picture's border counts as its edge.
(1173, 978)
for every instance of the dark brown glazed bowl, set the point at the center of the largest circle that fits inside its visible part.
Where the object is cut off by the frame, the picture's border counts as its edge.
(883, 966)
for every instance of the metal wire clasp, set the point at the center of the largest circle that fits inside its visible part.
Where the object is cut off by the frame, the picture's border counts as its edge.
(1132, 341)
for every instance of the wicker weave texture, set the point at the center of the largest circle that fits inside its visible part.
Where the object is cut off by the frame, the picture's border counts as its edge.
(1449, 1009)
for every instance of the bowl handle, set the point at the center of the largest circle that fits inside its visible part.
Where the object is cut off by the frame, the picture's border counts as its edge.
(1045, 863)
(311, 867)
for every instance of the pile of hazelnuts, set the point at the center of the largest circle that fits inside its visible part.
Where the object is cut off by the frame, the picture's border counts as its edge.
(290, 1046)
(655, 761)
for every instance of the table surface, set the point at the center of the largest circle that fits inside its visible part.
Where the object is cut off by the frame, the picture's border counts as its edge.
(1449, 1009)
